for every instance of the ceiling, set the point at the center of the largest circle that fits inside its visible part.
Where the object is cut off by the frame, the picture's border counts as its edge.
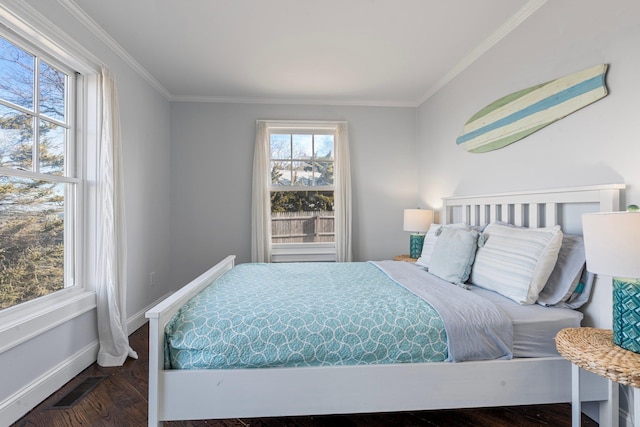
(341, 52)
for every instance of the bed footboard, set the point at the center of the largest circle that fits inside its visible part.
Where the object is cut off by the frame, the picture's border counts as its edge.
(158, 317)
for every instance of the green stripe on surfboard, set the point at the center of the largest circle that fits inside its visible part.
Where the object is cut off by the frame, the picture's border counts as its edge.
(502, 102)
(507, 140)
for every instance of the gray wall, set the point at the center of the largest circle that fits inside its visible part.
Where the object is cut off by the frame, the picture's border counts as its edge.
(211, 163)
(145, 136)
(595, 145)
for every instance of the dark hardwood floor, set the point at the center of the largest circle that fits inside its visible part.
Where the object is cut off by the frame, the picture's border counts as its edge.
(120, 399)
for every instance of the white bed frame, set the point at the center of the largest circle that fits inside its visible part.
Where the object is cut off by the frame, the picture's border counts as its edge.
(247, 393)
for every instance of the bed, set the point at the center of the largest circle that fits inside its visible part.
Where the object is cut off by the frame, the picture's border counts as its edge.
(183, 394)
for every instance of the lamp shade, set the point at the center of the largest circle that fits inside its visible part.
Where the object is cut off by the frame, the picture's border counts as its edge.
(417, 220)
(612, 243)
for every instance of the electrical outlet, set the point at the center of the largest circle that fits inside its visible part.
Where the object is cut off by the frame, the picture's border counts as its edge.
(152, 278)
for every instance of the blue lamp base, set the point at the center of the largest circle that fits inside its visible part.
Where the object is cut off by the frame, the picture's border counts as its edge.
(626, 313)
(415, 245)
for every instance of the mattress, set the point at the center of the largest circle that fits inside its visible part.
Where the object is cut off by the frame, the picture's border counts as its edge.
(534, 326)
(287, 315)
(315, 314)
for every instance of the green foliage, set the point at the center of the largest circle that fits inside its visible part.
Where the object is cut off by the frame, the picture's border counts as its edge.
(32, 241)
(301, 201)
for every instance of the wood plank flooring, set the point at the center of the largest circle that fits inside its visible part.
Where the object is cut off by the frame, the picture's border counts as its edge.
(120, 400)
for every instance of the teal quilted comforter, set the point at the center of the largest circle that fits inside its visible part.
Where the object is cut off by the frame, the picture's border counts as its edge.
(311, 314)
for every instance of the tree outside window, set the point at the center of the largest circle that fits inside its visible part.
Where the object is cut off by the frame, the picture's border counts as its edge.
(37, 186)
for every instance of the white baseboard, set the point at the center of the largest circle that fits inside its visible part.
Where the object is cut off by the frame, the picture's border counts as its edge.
(30, 396)
(137, 320)
(21, 402)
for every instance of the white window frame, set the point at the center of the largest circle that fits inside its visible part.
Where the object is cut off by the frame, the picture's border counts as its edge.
(303, 252)
(22, 25)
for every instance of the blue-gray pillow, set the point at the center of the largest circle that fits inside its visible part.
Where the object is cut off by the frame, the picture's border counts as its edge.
(581, 293)
(430, 239)
(453, 254)
(567, 272)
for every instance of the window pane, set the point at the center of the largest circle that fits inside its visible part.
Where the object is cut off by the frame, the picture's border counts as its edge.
(302, 173)
(16, 139)
(31, 239)
(280, 146)
(324, 146)
(302, 146)
(16, 75)
(52, 90)
(52, 148)
(323, 173)
(280, 173)
(302, 216)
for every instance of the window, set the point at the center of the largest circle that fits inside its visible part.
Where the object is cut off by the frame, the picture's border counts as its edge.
(302, 187)
(301, 192)
(38, 180)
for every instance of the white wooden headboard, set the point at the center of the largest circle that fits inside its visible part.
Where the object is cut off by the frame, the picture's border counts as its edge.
(538, 208)
(543, 208)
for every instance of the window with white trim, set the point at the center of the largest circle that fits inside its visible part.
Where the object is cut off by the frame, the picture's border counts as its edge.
(38, 175)
(302, 193)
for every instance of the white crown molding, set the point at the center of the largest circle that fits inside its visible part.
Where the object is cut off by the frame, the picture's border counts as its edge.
(101, 34)
(512, 23)
(292, 101)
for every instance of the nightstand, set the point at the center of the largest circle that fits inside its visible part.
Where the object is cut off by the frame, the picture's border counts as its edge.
(405, 258)
(593, 350)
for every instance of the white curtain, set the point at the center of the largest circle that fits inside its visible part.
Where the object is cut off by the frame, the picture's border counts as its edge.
(261, 202)
(111, 263)
(342, 195)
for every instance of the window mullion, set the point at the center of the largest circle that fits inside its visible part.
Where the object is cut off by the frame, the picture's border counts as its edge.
(72, 119)
(36, 108)
(291, 159)
(38, 176)
(313, 159)
(71, 207)
(70, 212)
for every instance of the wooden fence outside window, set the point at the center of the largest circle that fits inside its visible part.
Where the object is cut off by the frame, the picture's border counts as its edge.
(302, 227)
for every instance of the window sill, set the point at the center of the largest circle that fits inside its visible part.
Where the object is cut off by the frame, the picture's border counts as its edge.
(303, 252)
(28, 320)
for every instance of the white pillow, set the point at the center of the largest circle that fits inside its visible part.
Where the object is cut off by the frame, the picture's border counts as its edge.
(516, 262)
(566, 275)
(430, 242)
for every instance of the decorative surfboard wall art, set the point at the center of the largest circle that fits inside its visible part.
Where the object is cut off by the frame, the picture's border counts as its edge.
(518, 115)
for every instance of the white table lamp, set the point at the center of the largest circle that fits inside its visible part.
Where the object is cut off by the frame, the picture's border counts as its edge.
(612, 248)
(417, 221)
